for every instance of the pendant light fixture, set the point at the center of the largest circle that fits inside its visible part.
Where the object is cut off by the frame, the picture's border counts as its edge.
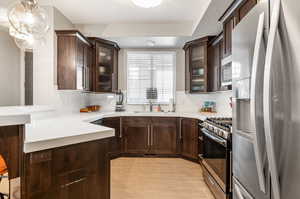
(147, 3)
(28, 23)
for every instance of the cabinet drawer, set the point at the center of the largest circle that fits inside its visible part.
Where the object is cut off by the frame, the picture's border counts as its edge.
(75, 157)
(164, 121)
(140, 121)
(40, 157)
(213, 185)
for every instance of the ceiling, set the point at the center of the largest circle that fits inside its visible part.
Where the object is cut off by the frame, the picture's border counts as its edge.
(169, 25)
(143, 42)
(125, 11)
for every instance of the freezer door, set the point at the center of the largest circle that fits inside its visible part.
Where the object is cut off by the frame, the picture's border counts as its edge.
(245, 168)
(282, 99)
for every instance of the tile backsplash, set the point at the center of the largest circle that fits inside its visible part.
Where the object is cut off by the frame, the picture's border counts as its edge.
(184, 102)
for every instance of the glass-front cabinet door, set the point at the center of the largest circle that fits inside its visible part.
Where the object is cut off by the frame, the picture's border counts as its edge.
(198, 68)
(104, 69)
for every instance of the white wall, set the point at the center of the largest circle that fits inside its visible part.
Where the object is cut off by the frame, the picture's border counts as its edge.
(45, 70)
(10, 70)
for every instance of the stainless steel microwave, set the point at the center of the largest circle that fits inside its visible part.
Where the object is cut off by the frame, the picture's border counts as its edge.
(226, 71)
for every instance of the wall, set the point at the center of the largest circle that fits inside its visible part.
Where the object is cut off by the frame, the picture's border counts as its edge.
(10, 70)
(45, 70)
(184, 102)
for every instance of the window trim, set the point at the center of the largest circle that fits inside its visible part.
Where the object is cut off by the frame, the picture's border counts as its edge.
(173, 52)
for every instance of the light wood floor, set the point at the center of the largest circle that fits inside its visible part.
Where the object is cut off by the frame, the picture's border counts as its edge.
(157, 178)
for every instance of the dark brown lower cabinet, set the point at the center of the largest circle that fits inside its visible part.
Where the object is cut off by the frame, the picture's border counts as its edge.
(115, 142)
(145, 135)
(189, 138)
(136, 134)
(164, 136)
(80, 171)
(11, 150)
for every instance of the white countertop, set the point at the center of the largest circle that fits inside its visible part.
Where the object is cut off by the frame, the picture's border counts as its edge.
(56, 132)
(76, 128)
(51, 132)
(18, 115)
(89, 117)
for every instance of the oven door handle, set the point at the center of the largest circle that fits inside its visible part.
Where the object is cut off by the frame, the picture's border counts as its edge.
(216, 139)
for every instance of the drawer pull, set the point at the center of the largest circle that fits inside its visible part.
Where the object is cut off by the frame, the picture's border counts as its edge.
(74, 182)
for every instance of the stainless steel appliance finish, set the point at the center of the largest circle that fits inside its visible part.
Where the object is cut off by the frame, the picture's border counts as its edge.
(226, 71)
(216, 157)
(281, 99)
(266, 150)
(220, 126)
(250, 168)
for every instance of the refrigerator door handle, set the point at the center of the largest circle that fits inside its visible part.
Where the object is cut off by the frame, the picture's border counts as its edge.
(241, 191)
(253, 94)
(267, 99)
(238, 191)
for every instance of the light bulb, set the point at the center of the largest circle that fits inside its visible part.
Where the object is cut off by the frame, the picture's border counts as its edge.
(27, 17)
(28, 42)
(17, 34)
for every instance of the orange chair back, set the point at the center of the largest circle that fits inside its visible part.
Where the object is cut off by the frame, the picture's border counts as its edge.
(3, 167)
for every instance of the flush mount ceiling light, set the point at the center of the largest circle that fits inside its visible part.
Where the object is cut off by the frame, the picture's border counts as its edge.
(147, 3)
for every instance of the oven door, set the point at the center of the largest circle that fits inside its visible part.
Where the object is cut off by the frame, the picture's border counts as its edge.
(215, 157)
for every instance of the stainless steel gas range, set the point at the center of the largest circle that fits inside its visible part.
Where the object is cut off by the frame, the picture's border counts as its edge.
(216, 157)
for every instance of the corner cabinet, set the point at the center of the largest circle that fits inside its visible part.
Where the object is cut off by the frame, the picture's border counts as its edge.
(196, 65)
(115, 142)
(74, 61)
(189, 138)
(105, 65)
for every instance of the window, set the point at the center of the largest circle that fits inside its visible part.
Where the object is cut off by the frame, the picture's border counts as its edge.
(150, 70)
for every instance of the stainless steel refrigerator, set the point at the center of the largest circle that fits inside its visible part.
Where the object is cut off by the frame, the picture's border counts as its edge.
(266, 103)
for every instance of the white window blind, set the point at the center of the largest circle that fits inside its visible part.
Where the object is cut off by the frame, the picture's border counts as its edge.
(150, 70)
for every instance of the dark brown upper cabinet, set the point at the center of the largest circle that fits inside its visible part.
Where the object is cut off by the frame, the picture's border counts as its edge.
(232, 16)
(105, 65)
(215, 56)
(74, 61)
(214, 63)
(196, 80)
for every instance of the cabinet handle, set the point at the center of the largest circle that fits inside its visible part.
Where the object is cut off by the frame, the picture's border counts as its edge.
(180, 131)
(151, 135)
(121, 132)
(74, 182)
(148, 135)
